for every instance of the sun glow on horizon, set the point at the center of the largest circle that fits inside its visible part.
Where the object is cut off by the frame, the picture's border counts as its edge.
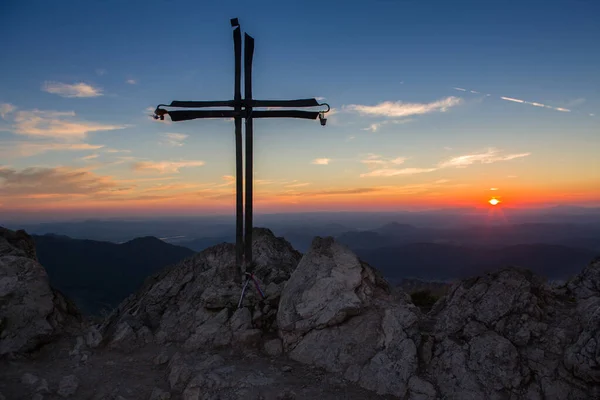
(494, 201)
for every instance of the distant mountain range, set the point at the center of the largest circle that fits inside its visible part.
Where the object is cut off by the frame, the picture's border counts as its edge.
(99, 275)
(433, 261)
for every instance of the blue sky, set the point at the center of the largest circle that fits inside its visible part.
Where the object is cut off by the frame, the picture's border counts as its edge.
(434, 102)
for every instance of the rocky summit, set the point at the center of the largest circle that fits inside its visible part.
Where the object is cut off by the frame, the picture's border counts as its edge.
(328, 326)
(31, 312)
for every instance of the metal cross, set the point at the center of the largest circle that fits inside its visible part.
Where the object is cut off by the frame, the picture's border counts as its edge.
(242, 108)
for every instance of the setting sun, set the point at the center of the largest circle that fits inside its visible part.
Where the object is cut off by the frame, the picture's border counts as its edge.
(494, 201)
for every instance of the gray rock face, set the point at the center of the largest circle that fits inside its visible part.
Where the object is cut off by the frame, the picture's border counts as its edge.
(336, 312)
(195, 302)
(507, 332)
(68, 386)
(502, 335)
(31, 312)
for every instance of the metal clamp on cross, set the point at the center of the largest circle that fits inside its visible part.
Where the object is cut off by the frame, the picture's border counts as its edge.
(242, 108)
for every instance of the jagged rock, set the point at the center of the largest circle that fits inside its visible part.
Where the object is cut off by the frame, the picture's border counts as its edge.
(162, 358)
(68, 386)
(336, 312)
(159, 394)
(583, 356)
(79, 346)
(179, 372)
(507, 332)
(195, 302)
(273, 347)
(42, 386)
(29, 379)
(93, 338)
(32, 313)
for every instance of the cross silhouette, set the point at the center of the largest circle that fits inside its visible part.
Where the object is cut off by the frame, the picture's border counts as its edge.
(242, 108)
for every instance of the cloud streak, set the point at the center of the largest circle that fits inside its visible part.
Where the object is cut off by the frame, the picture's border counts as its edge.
(56, 124)
(174, 139)
(383, 169)
(395, 172)
(375, 127)
(572, 103)
(321, 161)
(5, 109)
(71, 90)
(488, 157)
(27, 149)
(165, 166)
(400, 109)
(373, 161)
(49, 182)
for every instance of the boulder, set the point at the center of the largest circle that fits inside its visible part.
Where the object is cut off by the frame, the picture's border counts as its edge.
(31, 312)
(337, 312)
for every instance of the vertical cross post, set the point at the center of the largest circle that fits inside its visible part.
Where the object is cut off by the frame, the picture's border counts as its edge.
(249, 109)
(248, 55)
(239, 186)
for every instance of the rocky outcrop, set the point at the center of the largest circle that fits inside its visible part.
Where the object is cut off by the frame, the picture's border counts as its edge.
(195, 302)
(31, 312)
(338, 313)
(502, 335)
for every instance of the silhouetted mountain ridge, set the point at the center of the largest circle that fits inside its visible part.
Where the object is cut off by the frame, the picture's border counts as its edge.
(98, 274)
(433, 261)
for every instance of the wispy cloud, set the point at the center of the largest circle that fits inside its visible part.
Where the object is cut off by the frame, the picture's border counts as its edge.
(90, 157)
(5, 109)
(131, 81)
(400, 109)
(487, 157)
(72, 90)
(100, 71)
(375, 127)
(460, 89)
(49, 182)
(297, 185)
(165, 166)
(57, 124)
(332, 192)
(535, 104)
(382, 169)
(174, 139)
(117, 151)
(376, 161)
(28, 149)
(511, 99)
(321, 161)
(229, 180)
(395, 172)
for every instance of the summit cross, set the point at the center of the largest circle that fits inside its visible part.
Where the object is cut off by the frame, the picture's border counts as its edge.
(242, 108)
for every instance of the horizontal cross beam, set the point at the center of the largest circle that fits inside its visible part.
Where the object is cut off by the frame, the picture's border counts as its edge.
(246, 103)
(186, 115)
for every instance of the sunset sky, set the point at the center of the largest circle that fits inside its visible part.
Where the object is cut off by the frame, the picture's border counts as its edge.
(434, 104)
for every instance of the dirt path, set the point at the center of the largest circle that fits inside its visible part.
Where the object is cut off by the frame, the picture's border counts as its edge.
(113, 375)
